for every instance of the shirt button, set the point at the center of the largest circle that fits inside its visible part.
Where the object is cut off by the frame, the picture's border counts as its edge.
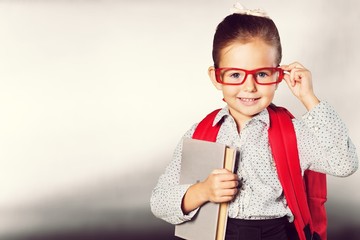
(310, 117)
(237, 142)
(316, 128)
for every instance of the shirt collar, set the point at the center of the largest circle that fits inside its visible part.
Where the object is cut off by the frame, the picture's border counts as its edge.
(263, 116)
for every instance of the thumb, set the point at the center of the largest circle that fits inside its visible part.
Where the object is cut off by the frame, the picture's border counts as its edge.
(289, 82)
(219, 171)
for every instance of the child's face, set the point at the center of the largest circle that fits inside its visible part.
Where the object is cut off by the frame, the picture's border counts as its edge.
(246, 100)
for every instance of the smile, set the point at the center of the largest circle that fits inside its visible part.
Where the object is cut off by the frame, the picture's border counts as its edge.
(249, 99)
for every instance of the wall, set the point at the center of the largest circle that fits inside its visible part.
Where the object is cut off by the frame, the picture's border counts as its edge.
(94, 96)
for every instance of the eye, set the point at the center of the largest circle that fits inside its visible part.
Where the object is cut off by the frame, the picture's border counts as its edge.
(232, 76)
(235, 75)
(262, 74)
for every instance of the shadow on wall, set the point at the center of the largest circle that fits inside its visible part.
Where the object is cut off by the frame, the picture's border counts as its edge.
(138, 228)
(147, 227)
(110, 212)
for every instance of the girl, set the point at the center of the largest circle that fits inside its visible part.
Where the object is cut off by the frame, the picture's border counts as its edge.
(247, 55)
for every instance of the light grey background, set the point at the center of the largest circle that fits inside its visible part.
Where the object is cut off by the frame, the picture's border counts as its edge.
(95, 95)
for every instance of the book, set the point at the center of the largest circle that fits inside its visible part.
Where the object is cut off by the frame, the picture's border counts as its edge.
(199, 159)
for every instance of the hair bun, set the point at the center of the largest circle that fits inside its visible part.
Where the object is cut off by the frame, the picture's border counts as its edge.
(238, 8)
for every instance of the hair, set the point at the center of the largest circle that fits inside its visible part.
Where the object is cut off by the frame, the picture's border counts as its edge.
(245, 28)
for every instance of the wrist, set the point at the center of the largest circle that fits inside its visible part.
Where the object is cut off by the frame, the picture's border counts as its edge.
(201, 192)
(194, 197)
(310, 102)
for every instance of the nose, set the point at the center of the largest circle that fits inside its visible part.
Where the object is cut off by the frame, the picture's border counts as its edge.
(249, 85)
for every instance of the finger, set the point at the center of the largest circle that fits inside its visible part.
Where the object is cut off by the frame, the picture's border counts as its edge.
(230, 192)
(223, 199)
(226, 174)
(293, 76)
(220, 171)
(228, 177)
(227, 193)
(289, 80)
(290, 73)
(285, 67)
(291, 66)
(223, 195)
(229, 184)
(298, 74)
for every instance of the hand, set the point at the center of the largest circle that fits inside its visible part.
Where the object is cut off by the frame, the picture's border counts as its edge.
(299, 81)
(221, 186)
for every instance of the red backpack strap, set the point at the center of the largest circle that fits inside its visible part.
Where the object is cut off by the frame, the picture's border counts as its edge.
(280, 120)
(205, 129)
(316, 190)
(283, 145)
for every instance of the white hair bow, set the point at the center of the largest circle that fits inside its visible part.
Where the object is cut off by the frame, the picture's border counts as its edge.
(240, 9)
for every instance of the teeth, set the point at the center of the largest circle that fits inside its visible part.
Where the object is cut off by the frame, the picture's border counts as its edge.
(248, 99)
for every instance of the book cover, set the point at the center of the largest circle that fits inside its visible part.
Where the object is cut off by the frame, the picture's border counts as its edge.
(199, 159)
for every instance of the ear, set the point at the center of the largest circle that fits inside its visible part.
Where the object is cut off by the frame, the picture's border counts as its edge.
(212, 76)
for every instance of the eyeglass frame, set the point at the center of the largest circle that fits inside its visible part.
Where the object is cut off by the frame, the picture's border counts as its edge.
(251, 72)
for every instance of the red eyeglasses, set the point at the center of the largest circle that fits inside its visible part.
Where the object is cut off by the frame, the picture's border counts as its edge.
(237, 76)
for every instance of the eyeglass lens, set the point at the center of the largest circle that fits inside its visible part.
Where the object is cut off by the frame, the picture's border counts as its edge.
(237, 76)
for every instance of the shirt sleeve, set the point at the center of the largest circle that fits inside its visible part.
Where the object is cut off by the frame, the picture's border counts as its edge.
(167, 195)
(324, 144)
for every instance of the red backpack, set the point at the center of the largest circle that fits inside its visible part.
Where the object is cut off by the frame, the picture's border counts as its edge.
(306, 196)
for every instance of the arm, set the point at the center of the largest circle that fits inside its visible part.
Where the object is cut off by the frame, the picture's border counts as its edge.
(177, 203)
(324, 144)
(166, 198)
(220, 186)
(323, 140)
(299, 81)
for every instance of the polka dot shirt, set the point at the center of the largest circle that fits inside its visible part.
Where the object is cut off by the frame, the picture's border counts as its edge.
(323, 143)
